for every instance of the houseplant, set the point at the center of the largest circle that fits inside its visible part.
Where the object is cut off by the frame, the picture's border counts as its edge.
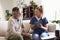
(56, 21)
(8, 14)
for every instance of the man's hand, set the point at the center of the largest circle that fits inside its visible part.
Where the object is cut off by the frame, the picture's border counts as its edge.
(25, 34)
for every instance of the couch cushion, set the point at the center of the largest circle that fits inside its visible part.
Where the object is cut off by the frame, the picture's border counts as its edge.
(3, 28)
(51, 27)
(26, 24)
(3, 38)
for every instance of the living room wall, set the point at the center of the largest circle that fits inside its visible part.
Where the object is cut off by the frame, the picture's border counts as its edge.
(51, 9)
(38, 2)
(6, 5)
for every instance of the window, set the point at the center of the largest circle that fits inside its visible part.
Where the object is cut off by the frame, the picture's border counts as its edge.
(28, 11)
(51, 9)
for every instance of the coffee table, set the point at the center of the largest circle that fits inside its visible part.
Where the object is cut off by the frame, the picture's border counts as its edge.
(51, 37)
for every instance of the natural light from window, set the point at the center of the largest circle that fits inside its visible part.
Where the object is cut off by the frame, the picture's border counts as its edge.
(51, 9)
(2, 17)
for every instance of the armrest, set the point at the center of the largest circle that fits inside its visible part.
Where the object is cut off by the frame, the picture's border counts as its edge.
(51, 27)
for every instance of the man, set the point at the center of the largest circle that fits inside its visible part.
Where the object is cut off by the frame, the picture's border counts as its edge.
(15, 25)
(38, 24)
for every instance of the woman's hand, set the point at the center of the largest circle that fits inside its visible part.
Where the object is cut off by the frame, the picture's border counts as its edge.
(45, 28)
(25, 34)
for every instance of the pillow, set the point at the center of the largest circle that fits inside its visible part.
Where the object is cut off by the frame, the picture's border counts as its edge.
(26, 24)
(51, 27)
(3, 28)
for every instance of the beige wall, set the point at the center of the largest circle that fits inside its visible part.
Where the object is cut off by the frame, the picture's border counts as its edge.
(27, 2)
(6, 5)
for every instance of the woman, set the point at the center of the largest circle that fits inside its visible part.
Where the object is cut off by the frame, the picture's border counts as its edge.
(38, 24)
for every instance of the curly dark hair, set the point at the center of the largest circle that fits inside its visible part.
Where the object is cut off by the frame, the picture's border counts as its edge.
(15, 9)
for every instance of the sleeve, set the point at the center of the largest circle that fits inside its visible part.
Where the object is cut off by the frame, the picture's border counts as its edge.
(11, 27)
(32, 21)
(45, 21)
(21, 22)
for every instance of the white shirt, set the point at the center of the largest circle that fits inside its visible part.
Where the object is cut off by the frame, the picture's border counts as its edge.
(37, 18)
(14, 26)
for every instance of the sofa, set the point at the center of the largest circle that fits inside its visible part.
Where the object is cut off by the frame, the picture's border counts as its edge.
(4, 27)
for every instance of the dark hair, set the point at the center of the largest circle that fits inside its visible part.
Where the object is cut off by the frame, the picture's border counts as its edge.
(15, 9)
(39, 9)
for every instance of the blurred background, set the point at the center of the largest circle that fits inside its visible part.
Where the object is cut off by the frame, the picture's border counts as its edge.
(51, 8)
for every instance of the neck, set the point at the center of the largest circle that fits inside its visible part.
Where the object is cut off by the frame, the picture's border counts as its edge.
(15, 17)
(38, 16)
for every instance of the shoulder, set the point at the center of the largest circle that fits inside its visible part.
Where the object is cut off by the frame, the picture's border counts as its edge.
(11, 20)
(32, 20)
(33, 17)
(44, 18)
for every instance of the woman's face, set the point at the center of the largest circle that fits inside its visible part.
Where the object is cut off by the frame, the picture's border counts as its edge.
(38, 13)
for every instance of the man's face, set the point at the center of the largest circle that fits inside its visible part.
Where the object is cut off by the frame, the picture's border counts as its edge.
(37, 13)
(16, 14)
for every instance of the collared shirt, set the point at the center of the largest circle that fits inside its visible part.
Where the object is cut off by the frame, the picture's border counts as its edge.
(14, 26)
(37, 18)
(36, 23)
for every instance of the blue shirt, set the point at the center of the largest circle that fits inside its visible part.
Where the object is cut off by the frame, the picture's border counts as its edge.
(36, 23)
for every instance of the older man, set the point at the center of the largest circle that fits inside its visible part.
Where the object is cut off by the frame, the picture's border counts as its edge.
(15, 25)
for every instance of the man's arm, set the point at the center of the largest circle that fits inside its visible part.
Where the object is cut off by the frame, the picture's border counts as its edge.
(11, 29)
